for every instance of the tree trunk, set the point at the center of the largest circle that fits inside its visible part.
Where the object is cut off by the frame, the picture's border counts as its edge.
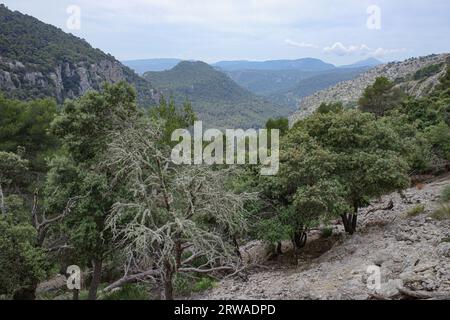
(300, 238)
(2, 201)
(75, 294)
(168, 288)
(279, 248)
(236, 248)
(350, 221)
(96, 279)
(168, 285)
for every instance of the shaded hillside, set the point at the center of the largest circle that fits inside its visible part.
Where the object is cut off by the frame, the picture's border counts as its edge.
(40, 60)
(217, 100)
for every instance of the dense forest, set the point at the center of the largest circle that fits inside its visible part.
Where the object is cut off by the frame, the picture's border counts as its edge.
(91, 184)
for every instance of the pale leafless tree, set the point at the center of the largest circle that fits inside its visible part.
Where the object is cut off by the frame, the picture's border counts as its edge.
(174, 216)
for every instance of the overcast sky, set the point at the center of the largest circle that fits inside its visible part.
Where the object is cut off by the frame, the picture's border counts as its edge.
(336, 31)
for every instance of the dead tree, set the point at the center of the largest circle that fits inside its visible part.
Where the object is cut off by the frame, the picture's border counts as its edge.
(174, 216)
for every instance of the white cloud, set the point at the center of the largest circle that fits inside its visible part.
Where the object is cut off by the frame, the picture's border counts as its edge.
(340, 49)
(301, 44)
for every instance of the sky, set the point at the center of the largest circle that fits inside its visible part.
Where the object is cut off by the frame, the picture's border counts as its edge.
(336, 31)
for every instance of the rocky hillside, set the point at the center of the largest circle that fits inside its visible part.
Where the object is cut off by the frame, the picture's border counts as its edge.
(409, 243)
(40, 60)
(416, 76)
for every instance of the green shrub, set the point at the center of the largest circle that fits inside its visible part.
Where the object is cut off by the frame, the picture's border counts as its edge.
(129, 292)
(445, 195)
(416, 210)
(182, 284)
(204, 284)
(443, 213)
(427, 71)
(327, 232)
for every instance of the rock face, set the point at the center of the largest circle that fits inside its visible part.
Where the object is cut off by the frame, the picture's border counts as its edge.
(402, 73)
(412, 253)
(68, 80)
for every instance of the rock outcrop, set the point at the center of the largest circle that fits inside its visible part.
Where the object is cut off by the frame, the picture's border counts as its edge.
(402, 73)
(67, 80)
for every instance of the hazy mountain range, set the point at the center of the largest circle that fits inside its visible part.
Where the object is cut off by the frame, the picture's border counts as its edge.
(282, 82)
(304, 64)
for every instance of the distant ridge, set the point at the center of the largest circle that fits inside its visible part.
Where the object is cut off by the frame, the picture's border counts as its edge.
(305, 64)
(369, 62)
(145, 65)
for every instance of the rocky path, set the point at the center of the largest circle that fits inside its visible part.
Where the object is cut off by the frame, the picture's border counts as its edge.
(413, 252)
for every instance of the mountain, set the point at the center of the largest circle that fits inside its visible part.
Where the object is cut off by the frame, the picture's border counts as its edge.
(216, 99)
(268, 82)
(312, 84)
(305, 64)
(293, 80)
(416, 76)
(145, 65)
(369, 62)
(39, 60)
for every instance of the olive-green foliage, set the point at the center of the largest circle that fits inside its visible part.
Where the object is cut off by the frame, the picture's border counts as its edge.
(443, 213)
(281, 124)
(380, 97)
(424, 123)
(185, 284)
(173, 117)
(204, 284)
(21, 263)
(427, 71)
(84, 128)
(330, 107)
(129, 292)
(26, 125)
(326, 232)
(331, 165)
(416, 211)
(445, 194)
(12, 168)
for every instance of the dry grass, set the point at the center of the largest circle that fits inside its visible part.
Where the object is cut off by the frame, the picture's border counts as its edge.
(443, 213)
(413, 212)
(445, 194)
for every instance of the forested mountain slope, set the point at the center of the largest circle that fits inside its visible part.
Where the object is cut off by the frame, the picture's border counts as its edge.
(39, 60)
(217, 99)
